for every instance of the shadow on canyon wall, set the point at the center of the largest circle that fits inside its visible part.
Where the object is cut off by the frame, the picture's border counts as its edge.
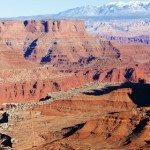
(73, 129)
(4, 118)
(5, 141)
(137, 131)
(140, 92)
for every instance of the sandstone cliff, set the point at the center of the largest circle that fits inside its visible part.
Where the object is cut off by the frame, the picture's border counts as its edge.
(37, 57)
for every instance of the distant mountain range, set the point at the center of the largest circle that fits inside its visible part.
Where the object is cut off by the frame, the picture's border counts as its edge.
(115, 10)
(112, 9)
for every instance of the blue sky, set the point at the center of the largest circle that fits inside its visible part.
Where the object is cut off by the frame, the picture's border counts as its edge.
(14, 8)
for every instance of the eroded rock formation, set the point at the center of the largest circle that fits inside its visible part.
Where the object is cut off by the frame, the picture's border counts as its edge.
(95, 116)
(41, 56)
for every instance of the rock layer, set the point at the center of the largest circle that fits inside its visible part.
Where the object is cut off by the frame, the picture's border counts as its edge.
(102, 116)
(52, 55)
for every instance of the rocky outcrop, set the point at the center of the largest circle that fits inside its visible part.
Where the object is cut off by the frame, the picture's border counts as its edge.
(53, 41)
(113, 131)
(33, 86)
(26, 31)
(42, 26)
(113, 120)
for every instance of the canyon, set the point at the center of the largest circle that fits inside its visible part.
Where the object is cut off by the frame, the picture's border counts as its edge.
(70, 89)
(122, 31)
(36, 55)
(94, 116)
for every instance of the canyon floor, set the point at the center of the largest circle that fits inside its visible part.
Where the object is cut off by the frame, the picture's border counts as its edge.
(94, 116)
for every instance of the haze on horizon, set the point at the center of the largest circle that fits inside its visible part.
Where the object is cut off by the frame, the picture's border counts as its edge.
(15, 8)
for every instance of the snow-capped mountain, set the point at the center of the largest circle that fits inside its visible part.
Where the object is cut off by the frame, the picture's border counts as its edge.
(80, 11)
(111, 9)
(114, 10)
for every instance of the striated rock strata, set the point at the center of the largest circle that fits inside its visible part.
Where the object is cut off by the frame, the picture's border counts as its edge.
(37, 57)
